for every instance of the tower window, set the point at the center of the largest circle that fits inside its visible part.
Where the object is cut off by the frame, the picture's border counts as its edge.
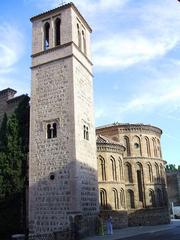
(49, 131)
(79, 37)
(52, 130)
(57, 32)
(84, 42)
(86, 132)
(46, 35)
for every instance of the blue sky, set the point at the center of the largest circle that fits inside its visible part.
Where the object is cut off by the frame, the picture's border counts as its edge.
(136, 56)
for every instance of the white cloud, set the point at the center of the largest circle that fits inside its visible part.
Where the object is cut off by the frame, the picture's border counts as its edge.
(11, 49)
(151, 29)
(162, 94)
(120, 51)
(86, 6)
(151, 101)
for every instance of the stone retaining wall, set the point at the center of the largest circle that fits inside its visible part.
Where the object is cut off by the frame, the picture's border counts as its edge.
(145, 217)
(119, 218)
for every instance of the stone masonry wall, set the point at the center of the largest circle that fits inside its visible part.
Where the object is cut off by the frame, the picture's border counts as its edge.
(85, 148)
(51, 100)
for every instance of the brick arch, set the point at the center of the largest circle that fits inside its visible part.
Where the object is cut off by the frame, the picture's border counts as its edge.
(128, 172)
(113, 168)
(137, 148)
(127, 145)
(148, 148)
(103, 198)
(130, 199)
(102, 167)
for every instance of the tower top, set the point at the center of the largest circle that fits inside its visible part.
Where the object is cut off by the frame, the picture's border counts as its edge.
(62, 7)
(8, 92)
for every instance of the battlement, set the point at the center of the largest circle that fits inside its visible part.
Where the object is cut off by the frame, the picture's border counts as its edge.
(7, 93)
(8, 101)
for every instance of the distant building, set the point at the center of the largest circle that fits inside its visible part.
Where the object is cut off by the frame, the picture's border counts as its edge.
(173, 186)
(8, 102)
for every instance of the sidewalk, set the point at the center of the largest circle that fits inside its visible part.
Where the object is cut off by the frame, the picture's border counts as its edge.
(133, 231)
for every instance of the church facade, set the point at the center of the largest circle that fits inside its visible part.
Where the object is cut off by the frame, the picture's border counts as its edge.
(75, 170)
(131, 174)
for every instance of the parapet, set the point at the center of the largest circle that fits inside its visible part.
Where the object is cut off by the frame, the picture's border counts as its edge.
(7, 93)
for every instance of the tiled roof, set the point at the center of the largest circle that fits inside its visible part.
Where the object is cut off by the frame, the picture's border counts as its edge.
(104, 140)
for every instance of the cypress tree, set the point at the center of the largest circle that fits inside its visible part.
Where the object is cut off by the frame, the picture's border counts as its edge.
(14, 140)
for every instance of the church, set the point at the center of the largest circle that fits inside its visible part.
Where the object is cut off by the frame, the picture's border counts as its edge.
(75, 169)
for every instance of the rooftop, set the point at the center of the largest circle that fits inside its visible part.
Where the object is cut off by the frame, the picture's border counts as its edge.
(128, 125)
(8, 90)
(104, 140)
(55, 10)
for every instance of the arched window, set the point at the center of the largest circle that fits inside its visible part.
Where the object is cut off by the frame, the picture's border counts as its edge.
(49, 131)
(140, 180)
(128, 173)
(159, 198)
(157, 172)
(84, 42)
(46, 35)
(120, 169)
(159, 148)
(137, 146)
(79, 37)
(161, 173)
(165, 197)
(150, 173)
(113, 166)
(103, 168)
(148, 147)
(154, 147)
(130, 199)
(103, 198)
(116, 199)
(127, 145)
(152, 198)
(86, 132)
(57, 32)
(54, 130)
(122, 198)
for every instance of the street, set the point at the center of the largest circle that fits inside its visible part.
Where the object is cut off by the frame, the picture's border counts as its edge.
(171, 234)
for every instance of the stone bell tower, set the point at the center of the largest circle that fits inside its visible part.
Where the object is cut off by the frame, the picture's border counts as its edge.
(62, 160)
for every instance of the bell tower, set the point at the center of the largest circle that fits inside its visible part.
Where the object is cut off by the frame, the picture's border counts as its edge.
(62, 158)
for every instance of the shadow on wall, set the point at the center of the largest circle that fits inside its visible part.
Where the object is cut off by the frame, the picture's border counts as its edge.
(156, 209)
(158, 194)
(64, 203)
(119, 218)
(11, 210)
(147, 217)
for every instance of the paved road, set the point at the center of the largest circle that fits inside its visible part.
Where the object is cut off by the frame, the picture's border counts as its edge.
(171, 234)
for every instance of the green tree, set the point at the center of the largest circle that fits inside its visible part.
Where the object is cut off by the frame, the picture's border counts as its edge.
(14, 140)
(3, 133)
(171, 167)
(11, 159)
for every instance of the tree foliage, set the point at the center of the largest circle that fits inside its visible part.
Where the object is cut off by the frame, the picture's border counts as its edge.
(172, 167)
(14, 140)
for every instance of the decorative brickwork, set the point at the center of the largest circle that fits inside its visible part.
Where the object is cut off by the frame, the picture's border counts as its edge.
(131, 172)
